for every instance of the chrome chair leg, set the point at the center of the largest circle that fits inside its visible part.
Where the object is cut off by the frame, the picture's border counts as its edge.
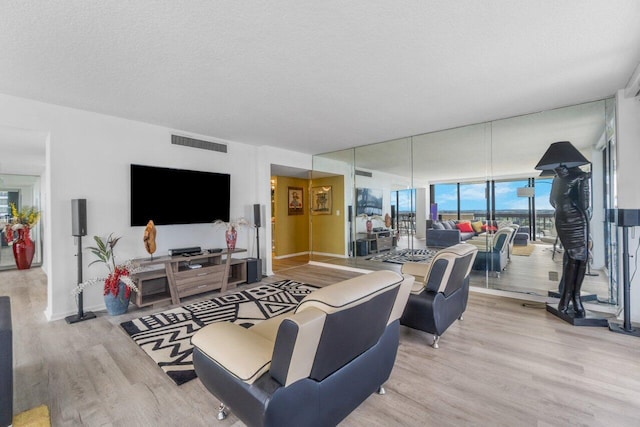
(460, 318)
(222, 413)
(381, 390)
(436, 338)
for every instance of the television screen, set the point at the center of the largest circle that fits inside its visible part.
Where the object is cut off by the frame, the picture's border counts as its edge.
(178, 196)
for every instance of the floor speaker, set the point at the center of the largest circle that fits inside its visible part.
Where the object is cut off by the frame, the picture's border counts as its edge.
(254, 270)
(79, 217)
(256, 215)
(361, 248)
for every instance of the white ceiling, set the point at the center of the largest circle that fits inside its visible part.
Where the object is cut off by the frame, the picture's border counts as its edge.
(317, 76)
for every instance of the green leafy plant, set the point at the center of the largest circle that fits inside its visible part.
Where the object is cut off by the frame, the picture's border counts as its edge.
(104, 252)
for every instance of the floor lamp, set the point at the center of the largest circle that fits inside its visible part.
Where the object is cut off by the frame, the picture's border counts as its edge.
(626, 218)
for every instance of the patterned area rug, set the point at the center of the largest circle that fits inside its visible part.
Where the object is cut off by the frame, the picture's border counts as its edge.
(166, 336)
(405, 255)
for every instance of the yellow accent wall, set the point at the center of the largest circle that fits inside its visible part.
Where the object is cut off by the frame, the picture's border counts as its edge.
(294, 234)
(291, 232)
(328, 231)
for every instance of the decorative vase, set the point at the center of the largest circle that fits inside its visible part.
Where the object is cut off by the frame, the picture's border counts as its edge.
(23, 249)
(118, 304)
(369, 226)
(231, 236)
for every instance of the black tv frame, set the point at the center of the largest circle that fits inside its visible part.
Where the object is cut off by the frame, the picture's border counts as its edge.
(171, 196)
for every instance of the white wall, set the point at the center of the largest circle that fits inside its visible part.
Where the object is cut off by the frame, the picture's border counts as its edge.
(628, 155)
(88, 157)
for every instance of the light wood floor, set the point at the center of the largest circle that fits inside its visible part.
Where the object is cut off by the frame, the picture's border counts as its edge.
(534, 275)
(506, 364)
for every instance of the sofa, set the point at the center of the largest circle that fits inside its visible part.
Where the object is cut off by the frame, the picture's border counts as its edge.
(312, 366)
(6, 363)
(445, 233)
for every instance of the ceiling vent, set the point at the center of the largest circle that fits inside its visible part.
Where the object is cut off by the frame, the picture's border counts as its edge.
(198, 143)
(633, 87)
(363, 173)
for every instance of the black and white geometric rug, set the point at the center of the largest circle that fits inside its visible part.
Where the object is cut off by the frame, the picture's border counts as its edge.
(405, 255)
(166, 336)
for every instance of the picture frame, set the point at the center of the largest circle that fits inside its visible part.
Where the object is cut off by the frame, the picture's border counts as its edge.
(321, 200)
(295, 201)
(368, 201)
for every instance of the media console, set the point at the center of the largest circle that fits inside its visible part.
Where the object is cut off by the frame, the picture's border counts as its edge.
(170, 278)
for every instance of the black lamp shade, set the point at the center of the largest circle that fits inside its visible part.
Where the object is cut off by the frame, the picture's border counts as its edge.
(561, 153)
(547, 172)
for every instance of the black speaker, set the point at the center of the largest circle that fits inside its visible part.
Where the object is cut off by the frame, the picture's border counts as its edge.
(254, 270)
(361, 248)
(79, 217)
(256, 215)
(350, 212)
(393, 216)
(628, 217)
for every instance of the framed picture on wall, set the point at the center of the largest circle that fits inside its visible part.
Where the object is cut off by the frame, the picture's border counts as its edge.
(295, 201)
(321, 200)
(368, 201)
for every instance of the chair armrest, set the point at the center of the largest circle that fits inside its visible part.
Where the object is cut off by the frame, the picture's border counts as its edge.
(417, 269)
(244, 354)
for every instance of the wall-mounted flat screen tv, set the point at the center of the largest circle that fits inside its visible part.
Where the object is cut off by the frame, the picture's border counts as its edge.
(178, 196)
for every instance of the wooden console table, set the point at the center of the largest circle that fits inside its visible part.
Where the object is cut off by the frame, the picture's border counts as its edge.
(377, 240)
(170, 278)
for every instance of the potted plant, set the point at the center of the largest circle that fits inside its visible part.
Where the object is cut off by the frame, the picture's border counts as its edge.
(118, 284)
(17, 232)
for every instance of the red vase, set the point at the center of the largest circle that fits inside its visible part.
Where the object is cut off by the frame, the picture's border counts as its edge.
(230, 237)
(23, 249)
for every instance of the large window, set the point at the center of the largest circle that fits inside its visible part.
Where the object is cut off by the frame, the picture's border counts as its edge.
(473, 201)
(4, 206)
(509, 202)
(446, 197)
(404, 202)
(512, 204)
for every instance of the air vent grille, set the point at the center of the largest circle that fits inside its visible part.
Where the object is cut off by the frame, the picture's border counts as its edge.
(198, 143)
(364, 173)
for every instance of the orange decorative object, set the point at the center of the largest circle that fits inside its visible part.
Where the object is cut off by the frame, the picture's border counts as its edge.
(150, 237)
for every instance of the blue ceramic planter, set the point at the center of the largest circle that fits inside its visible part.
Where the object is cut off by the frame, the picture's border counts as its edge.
(117, 305)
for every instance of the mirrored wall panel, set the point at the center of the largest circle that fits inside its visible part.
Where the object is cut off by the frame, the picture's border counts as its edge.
(407, 198)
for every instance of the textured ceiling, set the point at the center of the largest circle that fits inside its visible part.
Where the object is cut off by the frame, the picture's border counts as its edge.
(317, 76)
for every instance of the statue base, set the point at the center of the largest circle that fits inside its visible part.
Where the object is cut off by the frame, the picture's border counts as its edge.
(569, 317)
(585, 297)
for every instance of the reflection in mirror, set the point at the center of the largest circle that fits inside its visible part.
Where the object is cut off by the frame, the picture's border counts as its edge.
(22, 191)
(382, 170)
(482, 174)
(517, 144)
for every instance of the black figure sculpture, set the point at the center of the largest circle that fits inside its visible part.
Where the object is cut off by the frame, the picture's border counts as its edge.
(570, 198)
